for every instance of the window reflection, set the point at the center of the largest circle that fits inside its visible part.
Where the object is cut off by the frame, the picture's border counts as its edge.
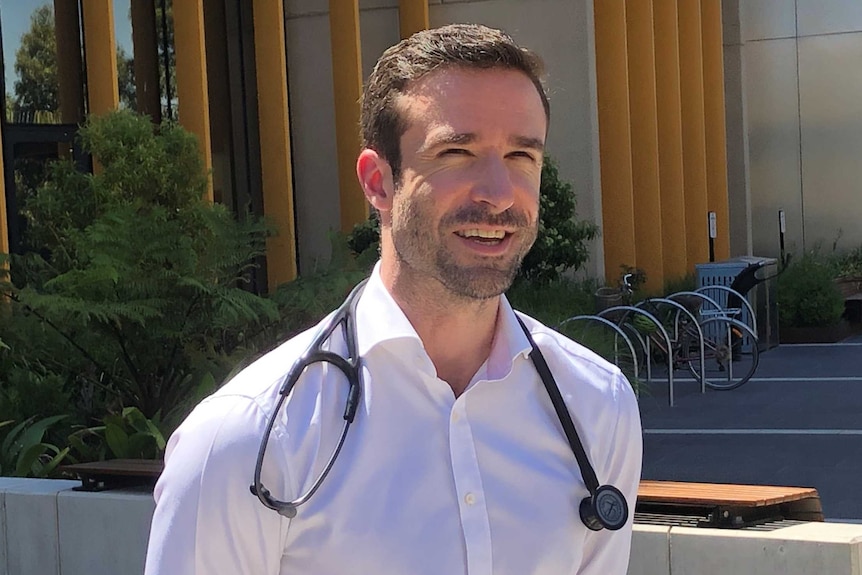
(125, 61)
(151, 69)
(35, 82)
(167, 58)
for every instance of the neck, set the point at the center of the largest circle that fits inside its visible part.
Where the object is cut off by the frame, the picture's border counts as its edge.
(457, 332)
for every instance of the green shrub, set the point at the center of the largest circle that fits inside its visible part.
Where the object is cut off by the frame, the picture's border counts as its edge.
(24, 453)
(562, 243)
(849, 264)
(807, 294)
(138, 280)
(128, 435)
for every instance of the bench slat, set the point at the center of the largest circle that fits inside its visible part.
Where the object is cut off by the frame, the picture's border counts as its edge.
(720, 494)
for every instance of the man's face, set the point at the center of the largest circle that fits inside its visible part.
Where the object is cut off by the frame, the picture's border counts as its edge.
(465, 209)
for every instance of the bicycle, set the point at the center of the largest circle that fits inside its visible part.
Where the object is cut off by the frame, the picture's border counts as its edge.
(721, 363)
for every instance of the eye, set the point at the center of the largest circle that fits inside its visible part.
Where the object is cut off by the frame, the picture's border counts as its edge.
(455, 152)
(522, 154)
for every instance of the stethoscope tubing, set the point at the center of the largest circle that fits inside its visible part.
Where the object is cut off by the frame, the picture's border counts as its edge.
(345, 317)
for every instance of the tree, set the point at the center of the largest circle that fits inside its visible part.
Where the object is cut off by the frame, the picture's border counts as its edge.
(36, 87)
(126, 76)
(36, 66)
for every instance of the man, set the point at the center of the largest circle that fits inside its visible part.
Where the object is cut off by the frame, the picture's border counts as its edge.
(456, 461)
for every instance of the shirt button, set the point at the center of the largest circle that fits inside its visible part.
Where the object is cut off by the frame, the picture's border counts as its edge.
(456, 417)
(470, 499)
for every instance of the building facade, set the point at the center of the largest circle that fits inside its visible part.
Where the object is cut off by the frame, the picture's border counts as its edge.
(663, 111)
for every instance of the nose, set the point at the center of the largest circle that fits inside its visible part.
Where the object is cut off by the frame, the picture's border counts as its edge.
(494, 186)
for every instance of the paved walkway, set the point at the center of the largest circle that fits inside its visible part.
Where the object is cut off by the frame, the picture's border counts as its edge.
(798, 422)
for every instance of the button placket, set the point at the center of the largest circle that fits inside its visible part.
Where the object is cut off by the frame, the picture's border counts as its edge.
(468, 485)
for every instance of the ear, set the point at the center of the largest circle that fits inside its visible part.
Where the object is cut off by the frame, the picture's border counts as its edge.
(375, 177)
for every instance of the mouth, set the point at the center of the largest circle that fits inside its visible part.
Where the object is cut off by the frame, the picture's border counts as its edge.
(485, 237)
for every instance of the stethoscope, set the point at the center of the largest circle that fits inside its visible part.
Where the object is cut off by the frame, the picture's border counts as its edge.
(604, 508)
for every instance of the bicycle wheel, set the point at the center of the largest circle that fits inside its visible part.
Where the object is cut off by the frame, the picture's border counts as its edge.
(727, 363)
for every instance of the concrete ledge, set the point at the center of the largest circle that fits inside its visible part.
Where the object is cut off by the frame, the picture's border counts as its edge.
(105, 532)
(47, 528)
(32, 543)
(805, 549)
(650, 553)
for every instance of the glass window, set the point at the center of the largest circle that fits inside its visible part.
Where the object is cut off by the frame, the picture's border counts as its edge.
(167, 58)
(40, 88)
(125, 62)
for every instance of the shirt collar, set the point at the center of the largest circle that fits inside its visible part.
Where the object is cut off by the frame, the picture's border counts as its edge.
(379, 319)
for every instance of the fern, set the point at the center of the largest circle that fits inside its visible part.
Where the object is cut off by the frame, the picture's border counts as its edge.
(140, 278)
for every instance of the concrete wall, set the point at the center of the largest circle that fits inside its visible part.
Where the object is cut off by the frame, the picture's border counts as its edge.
(563, 36)
(46, 528)
(805, 549)
(793, 67)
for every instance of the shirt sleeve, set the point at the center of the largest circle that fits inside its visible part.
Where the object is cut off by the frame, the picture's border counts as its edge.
(607, 552)
(206, 521)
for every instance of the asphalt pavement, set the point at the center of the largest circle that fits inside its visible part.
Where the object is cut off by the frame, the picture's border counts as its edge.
(797, 422)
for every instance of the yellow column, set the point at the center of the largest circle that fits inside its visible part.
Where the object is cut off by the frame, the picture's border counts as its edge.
(347, 83)
(612, 86)
(670, 138)
(191, 72)
(101, 53)
(644, 128)
(716, 136)
(275, 160)
(693, 133)
(413, 16)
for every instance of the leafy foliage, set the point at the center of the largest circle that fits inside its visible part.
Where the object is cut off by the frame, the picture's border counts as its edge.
(562, 243)
(807, 294)
(23, 453)
(36, 86)
(129, 435)
(849, 264)
(36, 65)
(135, 282)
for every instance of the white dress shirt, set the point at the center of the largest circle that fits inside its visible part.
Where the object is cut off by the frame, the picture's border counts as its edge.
(426, 484)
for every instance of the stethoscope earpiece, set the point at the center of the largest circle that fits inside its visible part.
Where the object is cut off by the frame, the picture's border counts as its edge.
(605, 509)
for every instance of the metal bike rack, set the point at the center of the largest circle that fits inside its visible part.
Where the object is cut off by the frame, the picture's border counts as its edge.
(741, 297)
(694, 321)
(739, 325)
(629, 309)
(619, 332)
(704, 297)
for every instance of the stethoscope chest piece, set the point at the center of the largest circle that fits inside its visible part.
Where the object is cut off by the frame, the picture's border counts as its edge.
(605, 509)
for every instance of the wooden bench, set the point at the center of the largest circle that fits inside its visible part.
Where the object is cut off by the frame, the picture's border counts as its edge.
(706, 504)
(116, 473)
(728, 505)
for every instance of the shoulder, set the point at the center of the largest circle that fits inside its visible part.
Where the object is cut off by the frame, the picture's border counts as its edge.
(574, 359)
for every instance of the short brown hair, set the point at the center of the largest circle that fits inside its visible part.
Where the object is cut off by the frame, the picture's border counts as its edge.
(462, 45)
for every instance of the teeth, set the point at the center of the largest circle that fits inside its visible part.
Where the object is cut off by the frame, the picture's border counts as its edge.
(486, 234)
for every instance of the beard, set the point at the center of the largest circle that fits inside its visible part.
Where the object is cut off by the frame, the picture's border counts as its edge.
(423, 249)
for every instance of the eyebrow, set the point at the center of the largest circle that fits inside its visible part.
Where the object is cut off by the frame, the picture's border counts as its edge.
(528, 142)
(452, 138)
(448, 139)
